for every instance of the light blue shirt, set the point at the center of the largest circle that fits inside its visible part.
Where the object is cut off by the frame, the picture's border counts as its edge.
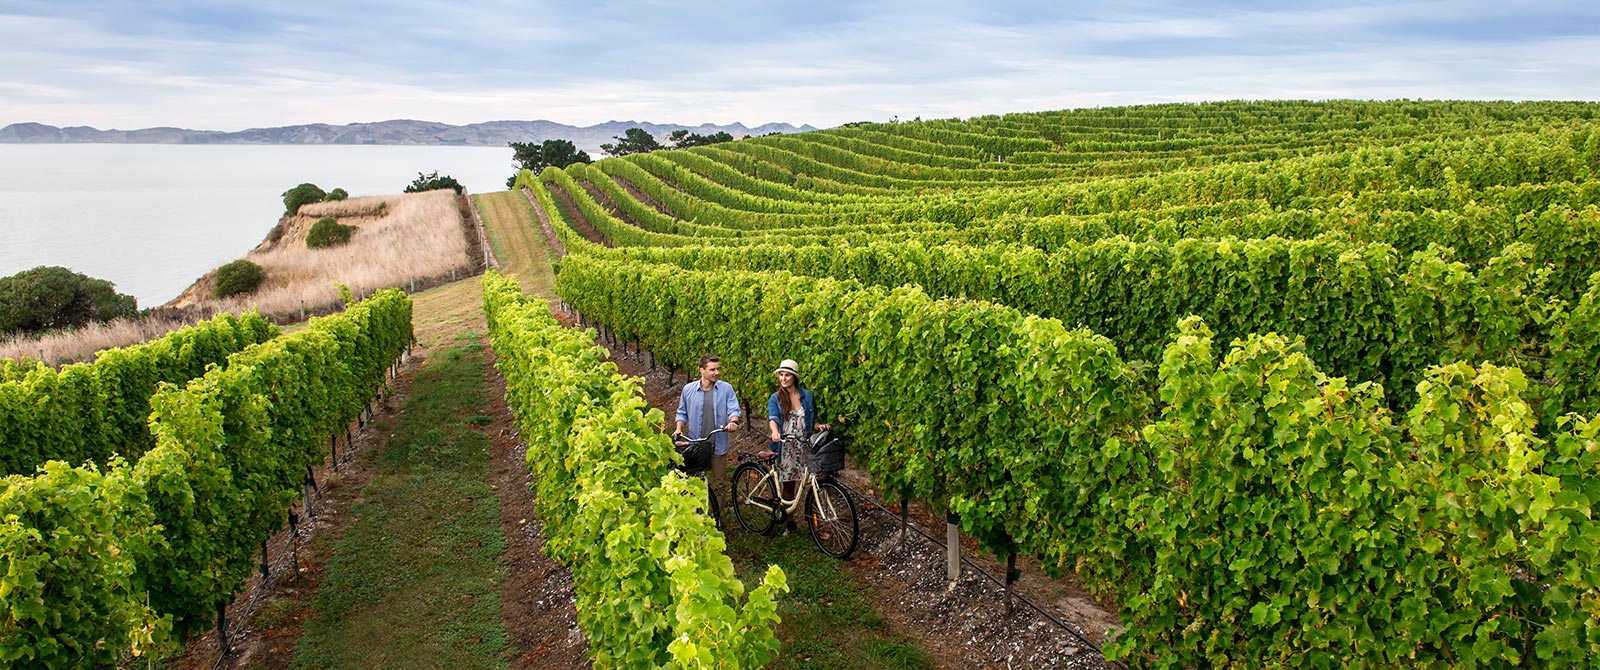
(725, 405)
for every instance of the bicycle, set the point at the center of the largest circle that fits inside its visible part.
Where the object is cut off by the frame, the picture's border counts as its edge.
(697, 463)
(830, 511)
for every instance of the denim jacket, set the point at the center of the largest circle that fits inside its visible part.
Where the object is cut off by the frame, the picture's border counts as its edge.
(808, 403)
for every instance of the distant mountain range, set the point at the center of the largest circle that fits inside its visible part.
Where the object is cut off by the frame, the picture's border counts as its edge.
(402, 131)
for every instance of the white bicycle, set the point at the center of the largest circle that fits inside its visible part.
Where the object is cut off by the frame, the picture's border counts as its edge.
(830, 512)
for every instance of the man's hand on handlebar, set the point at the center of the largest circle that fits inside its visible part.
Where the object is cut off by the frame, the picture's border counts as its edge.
(733, 425)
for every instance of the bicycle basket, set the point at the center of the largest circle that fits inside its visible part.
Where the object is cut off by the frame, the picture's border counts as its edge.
(696, 456)
(827, 452)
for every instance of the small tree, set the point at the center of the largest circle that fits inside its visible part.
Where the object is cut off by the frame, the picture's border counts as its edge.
(433, 182)
(328, 232)
(683, 139)
(238, 277)
(49, 297)
(634, 141)
(336, 195)
(550, 153)
(303, 194)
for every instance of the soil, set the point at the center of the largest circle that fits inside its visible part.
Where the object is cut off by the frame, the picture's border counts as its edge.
(537, 597)
(641, 196)
(606, 202)
(576, 216)
(960, 626)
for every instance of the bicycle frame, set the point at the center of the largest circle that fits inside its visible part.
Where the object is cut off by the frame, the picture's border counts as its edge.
(789, 507)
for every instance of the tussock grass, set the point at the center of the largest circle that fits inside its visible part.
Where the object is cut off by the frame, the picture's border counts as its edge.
(414, 581)
(413, 236)
(366, 206)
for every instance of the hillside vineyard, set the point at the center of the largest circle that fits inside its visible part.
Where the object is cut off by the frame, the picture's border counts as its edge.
(1294, 384)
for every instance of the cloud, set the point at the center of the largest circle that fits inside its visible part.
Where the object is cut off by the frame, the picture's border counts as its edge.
(225, 66)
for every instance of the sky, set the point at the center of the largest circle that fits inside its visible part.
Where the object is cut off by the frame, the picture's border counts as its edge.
(215, 65)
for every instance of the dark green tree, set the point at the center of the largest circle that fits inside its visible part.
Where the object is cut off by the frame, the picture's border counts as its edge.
(303, 194)
(328, 232)
(335, 195)
(433, 182)
(240, 276)
(49, 297)
(634, 141)
(683, 139)
(549, 153)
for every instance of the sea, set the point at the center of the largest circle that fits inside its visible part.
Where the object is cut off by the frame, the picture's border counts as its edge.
(153, 218)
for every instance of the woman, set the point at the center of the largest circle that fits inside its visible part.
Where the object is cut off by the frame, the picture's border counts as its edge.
(792, 410)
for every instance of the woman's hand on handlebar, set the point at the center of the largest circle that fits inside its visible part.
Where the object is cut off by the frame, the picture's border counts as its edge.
(775, 436)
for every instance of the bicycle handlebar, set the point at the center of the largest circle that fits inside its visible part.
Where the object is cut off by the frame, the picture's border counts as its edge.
(682, 440)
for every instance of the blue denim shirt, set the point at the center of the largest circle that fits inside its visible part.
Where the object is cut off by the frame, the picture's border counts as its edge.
(808, 403)
(726, 405)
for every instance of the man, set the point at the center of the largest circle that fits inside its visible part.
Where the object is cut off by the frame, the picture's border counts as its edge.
(705, 404)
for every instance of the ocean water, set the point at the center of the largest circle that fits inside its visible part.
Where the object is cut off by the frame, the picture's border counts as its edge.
(152, 218)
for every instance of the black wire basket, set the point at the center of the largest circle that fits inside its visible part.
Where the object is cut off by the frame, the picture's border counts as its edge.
(696, 456)
(827, 452)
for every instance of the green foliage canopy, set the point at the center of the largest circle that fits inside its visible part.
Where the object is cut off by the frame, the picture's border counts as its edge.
(683, 139)
(549, 153)
(303, 194)
(240, 276)
(433, 182)
(328, 232)
(634, 141)
(49, 297)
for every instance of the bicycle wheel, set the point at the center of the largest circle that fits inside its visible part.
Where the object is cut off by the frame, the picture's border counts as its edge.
(748, 485)
(832, 515)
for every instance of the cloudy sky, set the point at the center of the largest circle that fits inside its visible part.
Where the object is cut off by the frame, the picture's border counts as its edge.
(215, 65)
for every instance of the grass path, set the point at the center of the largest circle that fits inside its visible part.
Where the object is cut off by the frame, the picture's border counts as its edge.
(522, 251)
(415, 579)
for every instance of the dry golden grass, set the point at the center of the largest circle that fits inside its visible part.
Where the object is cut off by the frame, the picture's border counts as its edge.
(364, 206)
(398, 239)
(73, 346)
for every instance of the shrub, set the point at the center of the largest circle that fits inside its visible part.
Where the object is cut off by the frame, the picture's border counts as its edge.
(240, 276)
(49, 297)
(336, 194)
(303, 194)
(433, 182)
(327, 232)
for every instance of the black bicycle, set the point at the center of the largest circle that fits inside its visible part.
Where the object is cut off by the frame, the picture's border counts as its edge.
(697, 462)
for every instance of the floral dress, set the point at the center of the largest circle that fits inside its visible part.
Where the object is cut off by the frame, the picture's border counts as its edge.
(792, 457)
